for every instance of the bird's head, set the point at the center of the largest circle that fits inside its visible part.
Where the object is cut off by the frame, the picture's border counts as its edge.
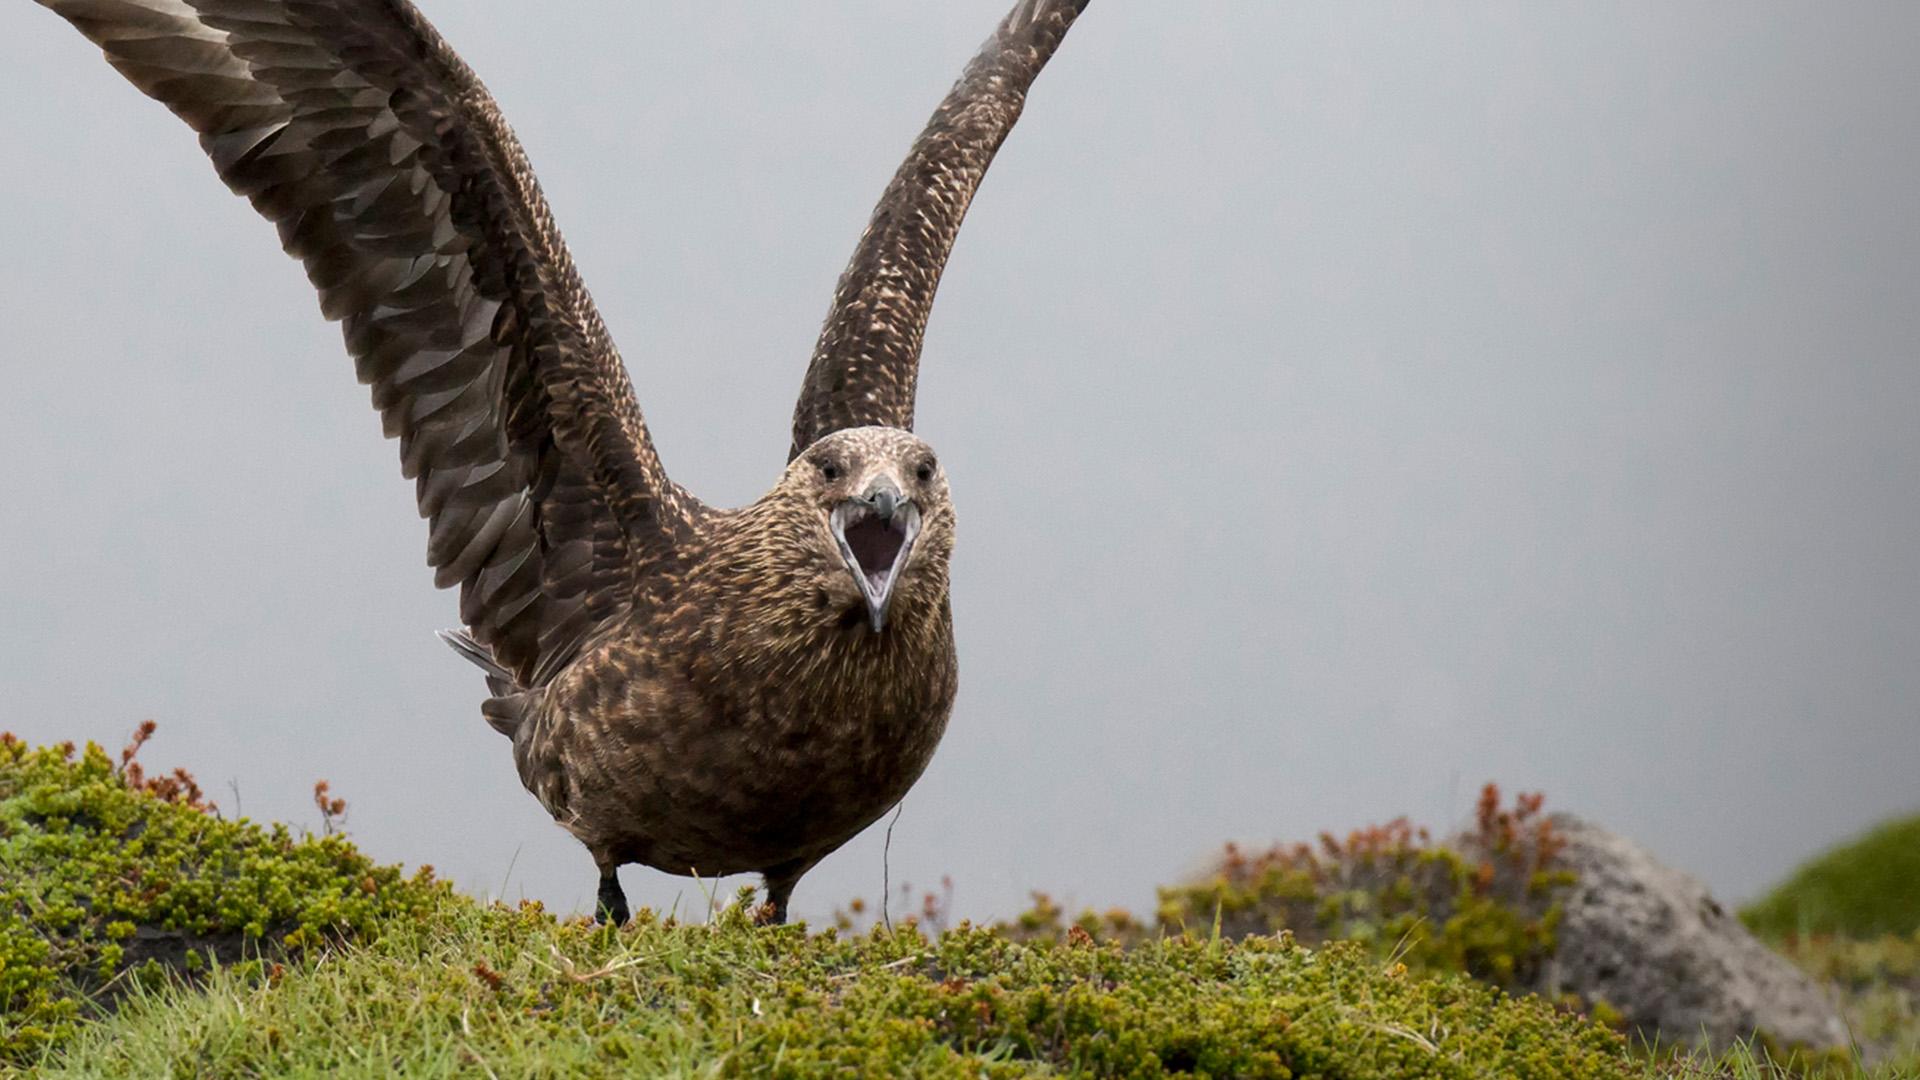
(880, 523)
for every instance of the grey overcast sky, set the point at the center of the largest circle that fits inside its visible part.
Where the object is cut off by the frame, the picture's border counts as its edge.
(1346, 404)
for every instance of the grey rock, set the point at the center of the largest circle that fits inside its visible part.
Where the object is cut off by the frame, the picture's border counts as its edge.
(1651, 942)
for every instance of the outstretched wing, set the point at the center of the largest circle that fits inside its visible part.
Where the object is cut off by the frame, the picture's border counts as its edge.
(868, 356)
(392, 176)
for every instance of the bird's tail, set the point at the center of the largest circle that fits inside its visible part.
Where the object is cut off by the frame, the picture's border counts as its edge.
(510, 700)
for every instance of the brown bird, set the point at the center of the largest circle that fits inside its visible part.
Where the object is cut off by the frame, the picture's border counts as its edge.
(700, 690)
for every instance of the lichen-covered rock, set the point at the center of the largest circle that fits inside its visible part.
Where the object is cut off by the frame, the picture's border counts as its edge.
(1652, 943)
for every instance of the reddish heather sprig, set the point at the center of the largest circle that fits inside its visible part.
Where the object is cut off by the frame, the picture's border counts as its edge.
(333, 810)
(178, 786)
(1519, 838)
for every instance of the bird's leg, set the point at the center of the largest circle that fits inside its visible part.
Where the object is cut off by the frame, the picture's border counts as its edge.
(780, 881)
(777, 902)
(612, 908)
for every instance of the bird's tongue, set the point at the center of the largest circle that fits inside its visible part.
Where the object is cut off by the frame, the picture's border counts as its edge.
(875, 545)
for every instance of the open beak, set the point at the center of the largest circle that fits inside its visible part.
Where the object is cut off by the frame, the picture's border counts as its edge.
(876, 533)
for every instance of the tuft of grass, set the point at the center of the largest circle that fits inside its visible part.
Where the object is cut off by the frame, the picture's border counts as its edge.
(1755, 1061)
(1865, 888)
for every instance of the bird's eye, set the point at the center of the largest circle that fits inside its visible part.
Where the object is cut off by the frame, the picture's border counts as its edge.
(830, 470)
(925, 471)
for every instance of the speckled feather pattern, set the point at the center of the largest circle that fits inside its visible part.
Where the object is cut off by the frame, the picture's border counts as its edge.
(691, 688)
(749, 704)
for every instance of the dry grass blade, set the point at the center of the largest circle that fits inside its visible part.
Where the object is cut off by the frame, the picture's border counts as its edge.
(566, 967)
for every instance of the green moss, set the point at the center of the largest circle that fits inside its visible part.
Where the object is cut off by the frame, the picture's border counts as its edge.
(103, 887)
(488, 989)
(1864, 888)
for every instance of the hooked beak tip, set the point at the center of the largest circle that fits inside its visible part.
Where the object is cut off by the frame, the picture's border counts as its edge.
(884, 500)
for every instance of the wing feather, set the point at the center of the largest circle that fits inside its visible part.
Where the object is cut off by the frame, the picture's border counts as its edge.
(867, 360)
(391, 175)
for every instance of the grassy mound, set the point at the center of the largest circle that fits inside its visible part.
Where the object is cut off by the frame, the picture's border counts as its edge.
(142, 935)
(110, 880)
(517, 993)
(1864, 888)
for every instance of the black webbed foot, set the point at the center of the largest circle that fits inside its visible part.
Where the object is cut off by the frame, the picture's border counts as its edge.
(612, 908)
